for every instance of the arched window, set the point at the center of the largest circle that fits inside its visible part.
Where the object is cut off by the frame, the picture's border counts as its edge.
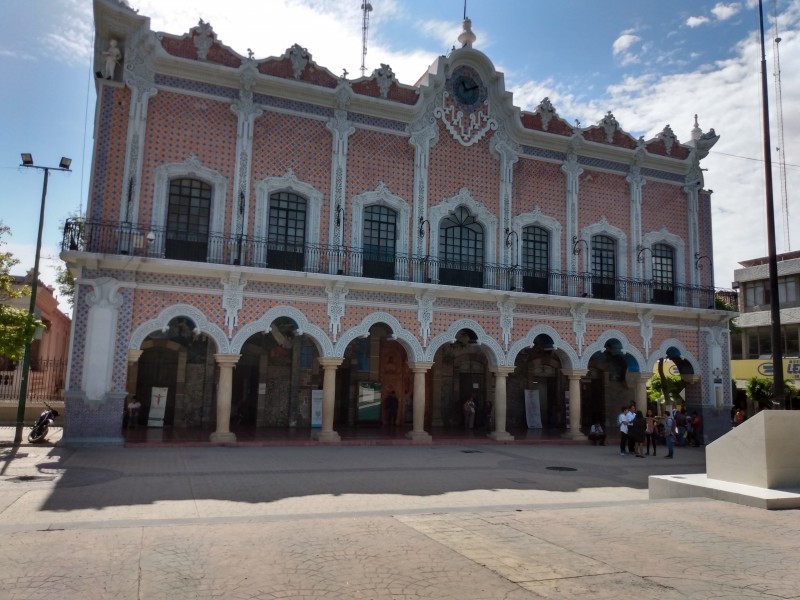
(604, 267)
(380, 241)
(187, 220)
(286, 233)
(461, 249)
(535, 259)
(663, 274)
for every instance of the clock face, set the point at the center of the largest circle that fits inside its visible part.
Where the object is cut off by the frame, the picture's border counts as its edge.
(466, 90)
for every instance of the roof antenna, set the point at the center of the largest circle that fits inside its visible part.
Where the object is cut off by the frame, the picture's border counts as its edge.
(366, 7)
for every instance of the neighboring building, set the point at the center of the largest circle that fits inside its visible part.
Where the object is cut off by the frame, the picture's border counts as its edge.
(48, 359)
(261, 233)
(751, 350)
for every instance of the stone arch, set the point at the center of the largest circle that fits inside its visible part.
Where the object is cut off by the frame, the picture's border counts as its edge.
(600, 344)
(567, 355)
(409, 342)
(202, 325)
(663, 349)
(191, 167)
(552, 225)
(603, 227)
(382, 196)
(317, 335)
(287, 183)
(495, 353)
(484, 216)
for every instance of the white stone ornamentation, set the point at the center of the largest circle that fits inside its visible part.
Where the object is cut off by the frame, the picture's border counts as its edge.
(232, 299)
(466, 129)
(425, 315)
(204, 39)
(384, 77)
(336, 307)
(506, 319)
(299, 58)
(579, 324)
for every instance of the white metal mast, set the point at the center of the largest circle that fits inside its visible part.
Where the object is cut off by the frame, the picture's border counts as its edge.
(366, 8)
(782, 145)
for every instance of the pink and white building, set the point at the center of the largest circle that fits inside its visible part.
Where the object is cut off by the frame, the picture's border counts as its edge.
(263, 234)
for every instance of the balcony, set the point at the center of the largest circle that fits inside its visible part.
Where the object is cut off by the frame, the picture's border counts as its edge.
(138, 241)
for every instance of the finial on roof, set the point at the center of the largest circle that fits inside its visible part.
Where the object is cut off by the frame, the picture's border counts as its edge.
(697, 133)
(467, 38)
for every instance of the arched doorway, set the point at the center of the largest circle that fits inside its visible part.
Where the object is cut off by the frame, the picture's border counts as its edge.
(460, 371)
(537, 385)
(374, 367)
(178, 359)
(274, 378)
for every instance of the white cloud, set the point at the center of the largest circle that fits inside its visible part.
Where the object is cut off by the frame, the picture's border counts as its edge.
(624, 42)
(725, 11)
(696, 21)
(71, 42)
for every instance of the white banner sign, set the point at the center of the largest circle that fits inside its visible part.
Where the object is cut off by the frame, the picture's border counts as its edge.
(158, 404)
(533, 412)
(316, 408)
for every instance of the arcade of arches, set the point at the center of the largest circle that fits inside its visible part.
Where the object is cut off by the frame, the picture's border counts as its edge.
(275, 382)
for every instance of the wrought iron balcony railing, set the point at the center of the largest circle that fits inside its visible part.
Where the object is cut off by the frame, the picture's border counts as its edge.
(135, 240)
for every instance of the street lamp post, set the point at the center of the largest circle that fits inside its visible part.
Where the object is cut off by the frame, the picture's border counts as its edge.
(27, 161)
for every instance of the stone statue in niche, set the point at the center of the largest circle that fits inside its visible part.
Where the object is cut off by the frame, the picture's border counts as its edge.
(112, 57)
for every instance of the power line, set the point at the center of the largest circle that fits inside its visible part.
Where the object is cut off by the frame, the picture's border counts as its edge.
(761, 160)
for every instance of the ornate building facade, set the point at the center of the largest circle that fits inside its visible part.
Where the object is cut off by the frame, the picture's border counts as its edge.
(262, 232)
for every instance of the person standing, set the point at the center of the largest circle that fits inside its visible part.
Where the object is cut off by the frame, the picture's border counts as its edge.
(392, 403)
(650, 432)
(631, 414)
(134, 406)
(622, 422)
(636, 432)
(469, 413)
(669, 434)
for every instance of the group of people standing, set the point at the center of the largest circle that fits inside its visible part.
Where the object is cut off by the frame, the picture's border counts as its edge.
(638, 432)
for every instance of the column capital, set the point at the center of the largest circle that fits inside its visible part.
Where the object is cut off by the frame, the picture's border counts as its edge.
(640, 377)
(420, 367)
(574, 373)
(227, 360)
(501, 371)
(134, 355)
(330, 362)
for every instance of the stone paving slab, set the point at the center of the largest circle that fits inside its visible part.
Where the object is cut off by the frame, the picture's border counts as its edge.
(391, 523)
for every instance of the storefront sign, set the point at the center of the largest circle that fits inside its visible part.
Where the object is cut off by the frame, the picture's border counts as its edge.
(747, 369)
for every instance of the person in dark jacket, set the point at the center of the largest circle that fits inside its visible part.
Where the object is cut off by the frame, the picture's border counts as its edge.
(637, 432)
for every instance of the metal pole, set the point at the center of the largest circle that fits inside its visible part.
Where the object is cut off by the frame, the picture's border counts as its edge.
(774, 300)
(26, 361)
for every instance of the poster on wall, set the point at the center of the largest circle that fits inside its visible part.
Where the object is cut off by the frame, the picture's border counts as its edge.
(533, 411)
(158, 404)
(316, 408)
(369, 401)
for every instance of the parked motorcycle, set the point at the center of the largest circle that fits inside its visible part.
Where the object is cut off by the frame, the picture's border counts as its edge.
(42, 426)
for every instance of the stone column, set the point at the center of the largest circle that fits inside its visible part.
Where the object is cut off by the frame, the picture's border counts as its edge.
(500, 376)
(328, 400)
(418, 433)
(226, 363)
(574, 377)
(640, 391)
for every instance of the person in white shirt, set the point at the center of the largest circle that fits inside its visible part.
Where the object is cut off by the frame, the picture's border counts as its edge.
(622, 422)
(597, 435)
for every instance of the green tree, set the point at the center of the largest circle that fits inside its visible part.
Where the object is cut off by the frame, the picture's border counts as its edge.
(665, 388)
(17, 326)
(760, 391)
(66, 284)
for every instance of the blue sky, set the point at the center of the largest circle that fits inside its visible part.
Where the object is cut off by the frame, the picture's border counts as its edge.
(650, 62)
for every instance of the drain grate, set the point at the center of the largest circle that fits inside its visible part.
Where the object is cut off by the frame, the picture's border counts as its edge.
(471, 451)
(28, 478)
(560, 469)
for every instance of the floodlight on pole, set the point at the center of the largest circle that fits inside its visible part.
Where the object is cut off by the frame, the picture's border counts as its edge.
(27, 161)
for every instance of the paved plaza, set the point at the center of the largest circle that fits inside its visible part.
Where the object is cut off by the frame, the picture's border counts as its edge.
(483, 521)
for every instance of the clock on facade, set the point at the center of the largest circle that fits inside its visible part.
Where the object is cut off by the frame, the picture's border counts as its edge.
(466, 90)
